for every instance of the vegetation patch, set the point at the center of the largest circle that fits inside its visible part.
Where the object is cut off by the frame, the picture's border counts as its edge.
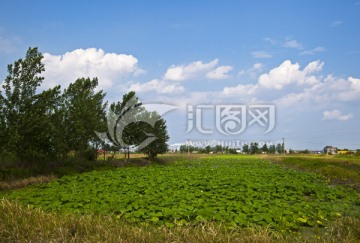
(233, 190)
(338, 169)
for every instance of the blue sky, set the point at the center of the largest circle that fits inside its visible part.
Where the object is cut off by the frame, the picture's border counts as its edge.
(301, 56)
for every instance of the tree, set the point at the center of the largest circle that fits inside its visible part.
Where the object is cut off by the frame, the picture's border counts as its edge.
(207, 149)
(159, 132)
(28, 116)
(132, 125)
(84, 113)
(264, 148)
(232, 151)
(123, 117)
(245, 148)
(272, 149)
(254, 148)
(279, 148)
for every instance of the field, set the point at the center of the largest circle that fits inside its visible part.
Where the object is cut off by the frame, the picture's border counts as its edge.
(230, 192)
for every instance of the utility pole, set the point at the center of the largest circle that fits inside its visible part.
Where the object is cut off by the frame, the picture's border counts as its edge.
(283, 145)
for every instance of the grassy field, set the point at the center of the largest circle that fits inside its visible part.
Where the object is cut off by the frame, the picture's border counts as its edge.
(189, 198)
(339, 169)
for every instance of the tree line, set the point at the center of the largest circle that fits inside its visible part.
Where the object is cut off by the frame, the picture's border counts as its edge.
(52, 124)
(252, 148)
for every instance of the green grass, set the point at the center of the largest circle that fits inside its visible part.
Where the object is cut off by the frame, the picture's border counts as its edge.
(339, 169)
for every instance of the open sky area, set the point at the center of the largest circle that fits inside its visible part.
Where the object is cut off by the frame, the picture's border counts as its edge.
(301, 57)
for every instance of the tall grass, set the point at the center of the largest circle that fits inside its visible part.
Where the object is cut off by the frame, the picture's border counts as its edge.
(338, 169)
(25, 224)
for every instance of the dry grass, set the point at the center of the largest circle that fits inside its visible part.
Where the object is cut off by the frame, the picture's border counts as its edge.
(25, 224)
(9, 185)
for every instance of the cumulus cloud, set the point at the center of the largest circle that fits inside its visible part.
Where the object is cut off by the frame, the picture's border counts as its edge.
(329, 91)
(91, 62)
(197, 69)
(159, 86)
(219, 73)
(261, 54)
(336, 115)
(288, 73)
(192, 70)
(355, 83)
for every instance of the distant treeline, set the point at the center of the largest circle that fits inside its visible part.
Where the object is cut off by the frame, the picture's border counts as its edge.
(252, 148)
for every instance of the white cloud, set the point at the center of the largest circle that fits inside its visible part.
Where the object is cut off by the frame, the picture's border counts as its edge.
(91, 62)
(159, 86)
(288, 73)
(331, 90)
(219, 73)
(257, 66)
(336, 115)
(335, 23)
(192, 70)
(355, 83)
(293, 44)
(313, 51)
(241, 89)
(252, 72)
(261, 54)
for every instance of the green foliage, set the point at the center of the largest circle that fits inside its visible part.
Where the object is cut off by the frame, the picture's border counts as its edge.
(246, 148)
(279, 148)
(159, 131)
(43, 126)
(84, 113)
(28, 116)
(254, 148)
(343, 169)
(138, 128)
(238, 191)
(272, 149)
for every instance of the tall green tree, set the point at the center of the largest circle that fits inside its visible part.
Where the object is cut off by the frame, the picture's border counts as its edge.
(158, 132)
(272, 149)
(130, 124)
(27, 114)
(84, 113)
(265, 148)
(246, 148)
(123, 117)
(279, 148)
(254, 148)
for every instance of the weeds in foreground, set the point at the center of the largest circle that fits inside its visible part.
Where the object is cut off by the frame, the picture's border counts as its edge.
(25, 224)
(10, 185)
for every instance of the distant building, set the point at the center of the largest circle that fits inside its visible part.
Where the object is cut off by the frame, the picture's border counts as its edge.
(330, 150)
